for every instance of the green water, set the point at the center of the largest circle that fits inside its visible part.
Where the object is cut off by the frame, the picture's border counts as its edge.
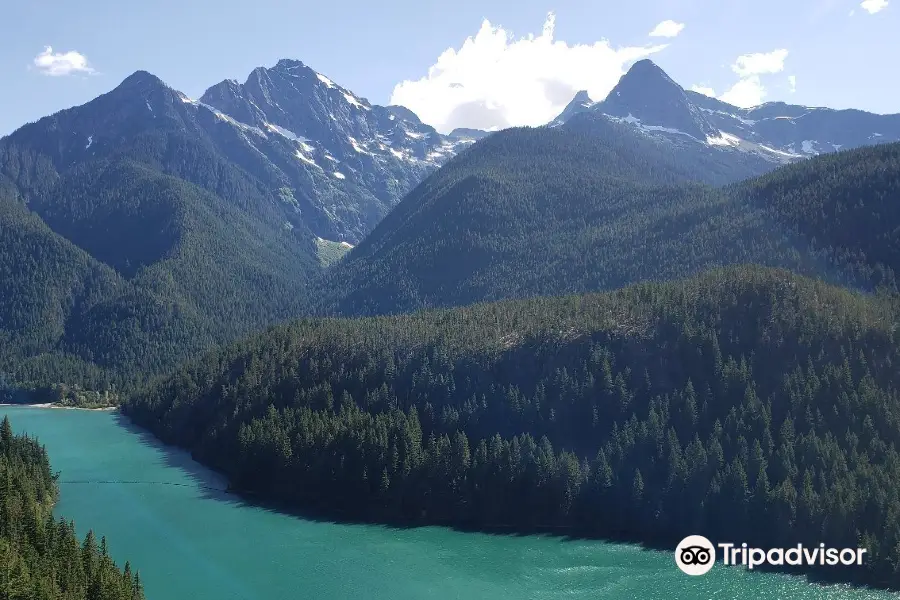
(191, 541)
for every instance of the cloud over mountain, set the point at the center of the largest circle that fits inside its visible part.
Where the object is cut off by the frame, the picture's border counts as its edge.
(58, 64)
(667, 29)
(873, 6)
(495, 80)
(750, 90)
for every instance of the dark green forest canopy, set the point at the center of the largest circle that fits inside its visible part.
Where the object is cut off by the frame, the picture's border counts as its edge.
(113, 271)
(533, 212)
(707, 405)
(847, 205)
(41, 557)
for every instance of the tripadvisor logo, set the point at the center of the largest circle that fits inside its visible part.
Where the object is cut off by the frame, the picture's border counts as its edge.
(696, 555)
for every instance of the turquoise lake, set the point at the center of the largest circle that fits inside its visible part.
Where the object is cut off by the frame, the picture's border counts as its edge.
(192, 541)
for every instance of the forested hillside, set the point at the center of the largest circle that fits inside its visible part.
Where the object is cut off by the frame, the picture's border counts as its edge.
(138, 271)
(41, 558)
(845, 205)
(707, 405)
(120, 259)
(543, 211)
(45, 281)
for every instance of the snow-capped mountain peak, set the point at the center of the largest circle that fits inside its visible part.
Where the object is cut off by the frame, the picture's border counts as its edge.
(648, 94)
(322, 124)
(647, 99)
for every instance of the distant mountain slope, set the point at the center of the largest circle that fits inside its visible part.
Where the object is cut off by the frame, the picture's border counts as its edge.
(551, 211)
(703, 406)
(845, 205)
(182, 271)
(156, 225)
(50, 289)
(654, 105)
(802, 130)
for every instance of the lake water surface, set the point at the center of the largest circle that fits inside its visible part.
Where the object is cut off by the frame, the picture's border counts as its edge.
(191, 541)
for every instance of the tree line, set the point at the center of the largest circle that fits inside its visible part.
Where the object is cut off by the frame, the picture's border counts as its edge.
(41, 557)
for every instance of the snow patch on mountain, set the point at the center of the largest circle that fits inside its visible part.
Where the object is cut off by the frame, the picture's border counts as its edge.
(632, 120)
(351, 100)
(356, 145)
(307, 160)
(723, 139)
(738, 118)
(665, 130)
(283, 132)
(780, 152)
(223, 117)
(329, 83)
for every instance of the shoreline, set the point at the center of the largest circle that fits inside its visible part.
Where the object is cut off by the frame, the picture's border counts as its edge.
(58, 406)
(322, 514)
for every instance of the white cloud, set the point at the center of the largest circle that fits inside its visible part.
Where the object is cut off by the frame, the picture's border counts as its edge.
(760, 63)
(706, 91)
(874, 6)
(747, 92)
(61, 63)
(669, 29)
(494, 80)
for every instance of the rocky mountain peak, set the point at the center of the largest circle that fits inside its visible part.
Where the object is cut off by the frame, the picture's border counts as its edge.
(646, 94)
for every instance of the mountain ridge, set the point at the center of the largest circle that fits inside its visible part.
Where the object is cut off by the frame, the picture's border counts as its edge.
(194, 225)
(549, 211)
(655, 105)
(345, 161)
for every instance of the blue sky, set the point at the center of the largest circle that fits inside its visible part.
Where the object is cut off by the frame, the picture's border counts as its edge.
(837, 53)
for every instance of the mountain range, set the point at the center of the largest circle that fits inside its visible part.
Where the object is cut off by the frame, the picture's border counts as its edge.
(654, 105)
(535, 212)
(156, 225)
(332, 160)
